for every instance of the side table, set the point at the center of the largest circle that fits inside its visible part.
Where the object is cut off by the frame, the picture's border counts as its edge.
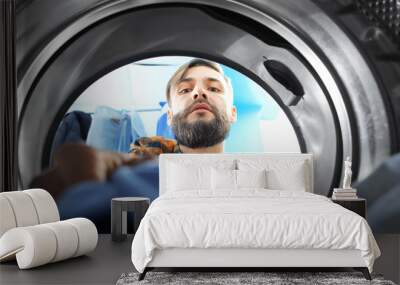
(119, 208)
(358, 206)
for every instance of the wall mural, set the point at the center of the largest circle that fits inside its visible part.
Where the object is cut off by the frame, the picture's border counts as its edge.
(107, 142)
(336, 102)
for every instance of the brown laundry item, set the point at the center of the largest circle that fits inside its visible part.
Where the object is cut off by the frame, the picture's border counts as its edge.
(78, 162)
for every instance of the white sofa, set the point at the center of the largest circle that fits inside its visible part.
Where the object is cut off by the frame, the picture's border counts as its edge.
(31, 231)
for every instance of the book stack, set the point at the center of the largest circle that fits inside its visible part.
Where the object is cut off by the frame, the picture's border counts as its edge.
(344, 194)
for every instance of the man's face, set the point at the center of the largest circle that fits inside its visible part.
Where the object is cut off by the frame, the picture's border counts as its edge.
(201, 109)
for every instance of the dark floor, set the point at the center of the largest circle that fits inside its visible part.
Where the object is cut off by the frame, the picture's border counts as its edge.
(111, 259)
(102, 266)
(389, 262)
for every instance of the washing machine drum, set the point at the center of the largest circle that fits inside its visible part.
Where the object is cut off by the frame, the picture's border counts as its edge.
(340, 101)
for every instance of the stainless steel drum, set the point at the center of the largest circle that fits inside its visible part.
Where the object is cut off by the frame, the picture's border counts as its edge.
(334, 74)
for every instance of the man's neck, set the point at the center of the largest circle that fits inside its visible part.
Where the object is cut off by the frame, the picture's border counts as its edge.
(218, 148)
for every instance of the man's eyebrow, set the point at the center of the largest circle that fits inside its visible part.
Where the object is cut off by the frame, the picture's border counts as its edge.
(186, 79)
(213, 79)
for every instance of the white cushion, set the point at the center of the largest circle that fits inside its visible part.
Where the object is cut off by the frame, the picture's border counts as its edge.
(183, 177)
(66, 237)
(7, 218)
(26, 208)
(34, 244)
(189, 174)
(292, 180)
(223, 179)
(282, 174)
(23, 208)
(285, 164)
(251, 178)
(87, 233)
(40, 244)
(45, 205)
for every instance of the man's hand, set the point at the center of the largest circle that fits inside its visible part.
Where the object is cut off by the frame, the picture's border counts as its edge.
(77, 162)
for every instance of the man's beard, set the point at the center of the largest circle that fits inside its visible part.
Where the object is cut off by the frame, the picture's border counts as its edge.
(200, 133)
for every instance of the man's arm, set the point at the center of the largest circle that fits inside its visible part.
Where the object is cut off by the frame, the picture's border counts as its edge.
(78, 162)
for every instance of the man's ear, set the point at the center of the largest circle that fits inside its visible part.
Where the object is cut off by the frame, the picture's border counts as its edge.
(169, 117)
(233, 117)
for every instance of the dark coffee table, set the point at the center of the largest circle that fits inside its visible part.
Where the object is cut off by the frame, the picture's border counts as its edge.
(119, 209)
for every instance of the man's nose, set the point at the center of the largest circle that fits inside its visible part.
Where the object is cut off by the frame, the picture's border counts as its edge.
(199, 92)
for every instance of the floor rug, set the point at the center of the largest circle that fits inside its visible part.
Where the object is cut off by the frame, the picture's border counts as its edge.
(243, 278)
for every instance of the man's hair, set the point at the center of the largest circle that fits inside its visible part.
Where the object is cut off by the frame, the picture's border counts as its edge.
(181, 72)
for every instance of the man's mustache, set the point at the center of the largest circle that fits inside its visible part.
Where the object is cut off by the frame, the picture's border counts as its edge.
(189, 108)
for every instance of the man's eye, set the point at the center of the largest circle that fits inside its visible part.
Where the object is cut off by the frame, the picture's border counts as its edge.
(214, 89)
(183, 91)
